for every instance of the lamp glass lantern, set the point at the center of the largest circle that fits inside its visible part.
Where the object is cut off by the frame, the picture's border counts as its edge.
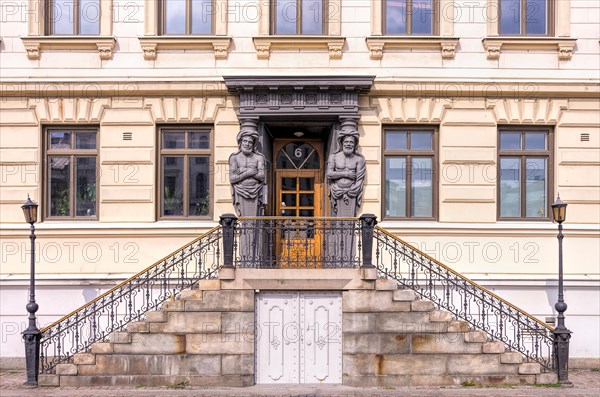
(30, 211)
(559, 210)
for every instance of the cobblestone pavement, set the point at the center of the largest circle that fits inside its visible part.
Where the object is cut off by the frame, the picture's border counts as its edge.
(586, 383)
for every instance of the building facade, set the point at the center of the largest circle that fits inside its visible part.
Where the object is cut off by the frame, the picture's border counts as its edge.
(119, 118)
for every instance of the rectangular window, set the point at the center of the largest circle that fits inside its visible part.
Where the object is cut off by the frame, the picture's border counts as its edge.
(410, 187)
(184, 172)
(524, 173)
(410, 17)
(525, 17)
(73, 17)
(71, 164)
(184, 17)
(298, 17)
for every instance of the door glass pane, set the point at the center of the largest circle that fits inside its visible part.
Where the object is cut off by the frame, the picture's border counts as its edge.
(175, 11)
(422, 12)
(89, 16)
(395, 186)
(307, 200)
(510, 140)
(202, 13)
(62, 17)
(395, 16)
(288, 200)
(510, 16)
(85, 177)
(198, 140)
(312, 16)
(510, 187)
(173, 140)
(288, 183)
(85, 140)
(421, 140)
(60, 186)
(535, 140)
(288, 212)
(198, 185)
(395, 140)
(535, 187)
(307, 183)
(60, 140)
(172, 197)
(285, 17)
(422, 187)
(298, 155)
(309, 213)
(537, 16)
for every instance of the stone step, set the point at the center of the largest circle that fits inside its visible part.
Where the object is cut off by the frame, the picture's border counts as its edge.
(120, 337)
(476, 337)
(494, 347)
(511, 358)
(530, 369)
(102, 348)
(422, 306)
(156, 316)
(440, 316)
(84, 359)
(156, 380)
(404, 295)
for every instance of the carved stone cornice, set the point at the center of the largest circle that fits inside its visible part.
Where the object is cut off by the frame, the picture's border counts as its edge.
(35, 44)
(379, 44)
(311, 95)
(264, 44)
(151, 45)
(562, 45)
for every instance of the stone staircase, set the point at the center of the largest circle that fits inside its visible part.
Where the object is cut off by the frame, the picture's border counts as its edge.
(206, 338)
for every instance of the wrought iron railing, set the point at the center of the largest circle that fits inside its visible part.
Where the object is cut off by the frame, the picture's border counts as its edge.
(465, 299)
(130, 300)
(276, 242)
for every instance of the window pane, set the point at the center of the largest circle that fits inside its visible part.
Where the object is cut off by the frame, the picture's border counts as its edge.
(89, 16)
(285, 17)
(198, 140)
(60, 140)
(535, 187)
(62, 16)
(85, 140)
(422, 17)
(510, 140)
(395, 186)
(199, 185)
(85, 176)
(172, 185)
(395, 16)
(535, 140)
(395, 140)
(173, 140)
(510, 17)
(537, 16)
(175, 11)
(421, 140)
(60, 186)
(312, 17)
(422, 187)
(510, 187)
(202, 13)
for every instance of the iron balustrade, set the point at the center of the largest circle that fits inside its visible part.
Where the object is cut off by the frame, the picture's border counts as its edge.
(277, 242)
(130, 300)
(465, 299)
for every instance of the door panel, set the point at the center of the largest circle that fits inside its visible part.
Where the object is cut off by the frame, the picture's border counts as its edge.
(299, 337)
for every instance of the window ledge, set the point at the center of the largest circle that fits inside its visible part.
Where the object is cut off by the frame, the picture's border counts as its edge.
(378, 44)
(34, 44)
(495, 45)
(151, 44)
(263, 44)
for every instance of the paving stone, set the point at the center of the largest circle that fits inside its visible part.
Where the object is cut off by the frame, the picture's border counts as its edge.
(422, 306)
(546, 378)
(219, 344)
(404, 295)
(493, 347)
(400, 322)
(189, 322)
(440, 316)
(390, 381)
(223, 300)
(237, 364)
(48, 380)
(153, 344)
(102, 348)
(84, 359)
(443, 343)
(156, 317)
(511, 358)
(530, 369)
(376, 343)
(386, 284)
(476, 337)
(357, 301)
(66, 369)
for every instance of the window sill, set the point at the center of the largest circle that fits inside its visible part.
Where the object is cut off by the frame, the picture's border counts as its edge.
(378, 44)
(263, 44)
(151, 44)
(495, 45)
(35, 44)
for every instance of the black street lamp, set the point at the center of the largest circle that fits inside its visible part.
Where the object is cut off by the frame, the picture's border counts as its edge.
(32, 334)
(561, 334)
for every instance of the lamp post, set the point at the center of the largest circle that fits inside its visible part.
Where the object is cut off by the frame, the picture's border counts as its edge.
(561, 334)
(32, 334)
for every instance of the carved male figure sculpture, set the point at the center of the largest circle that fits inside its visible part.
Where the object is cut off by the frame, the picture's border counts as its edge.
(346, 171)
(247, 175)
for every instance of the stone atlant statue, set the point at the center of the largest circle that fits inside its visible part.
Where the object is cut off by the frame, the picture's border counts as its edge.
(247, 177)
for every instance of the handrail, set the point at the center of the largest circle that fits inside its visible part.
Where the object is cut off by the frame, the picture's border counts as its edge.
(131, 299)
(465, 299)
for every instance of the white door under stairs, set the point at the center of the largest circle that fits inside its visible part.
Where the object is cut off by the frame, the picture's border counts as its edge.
(298, 337)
